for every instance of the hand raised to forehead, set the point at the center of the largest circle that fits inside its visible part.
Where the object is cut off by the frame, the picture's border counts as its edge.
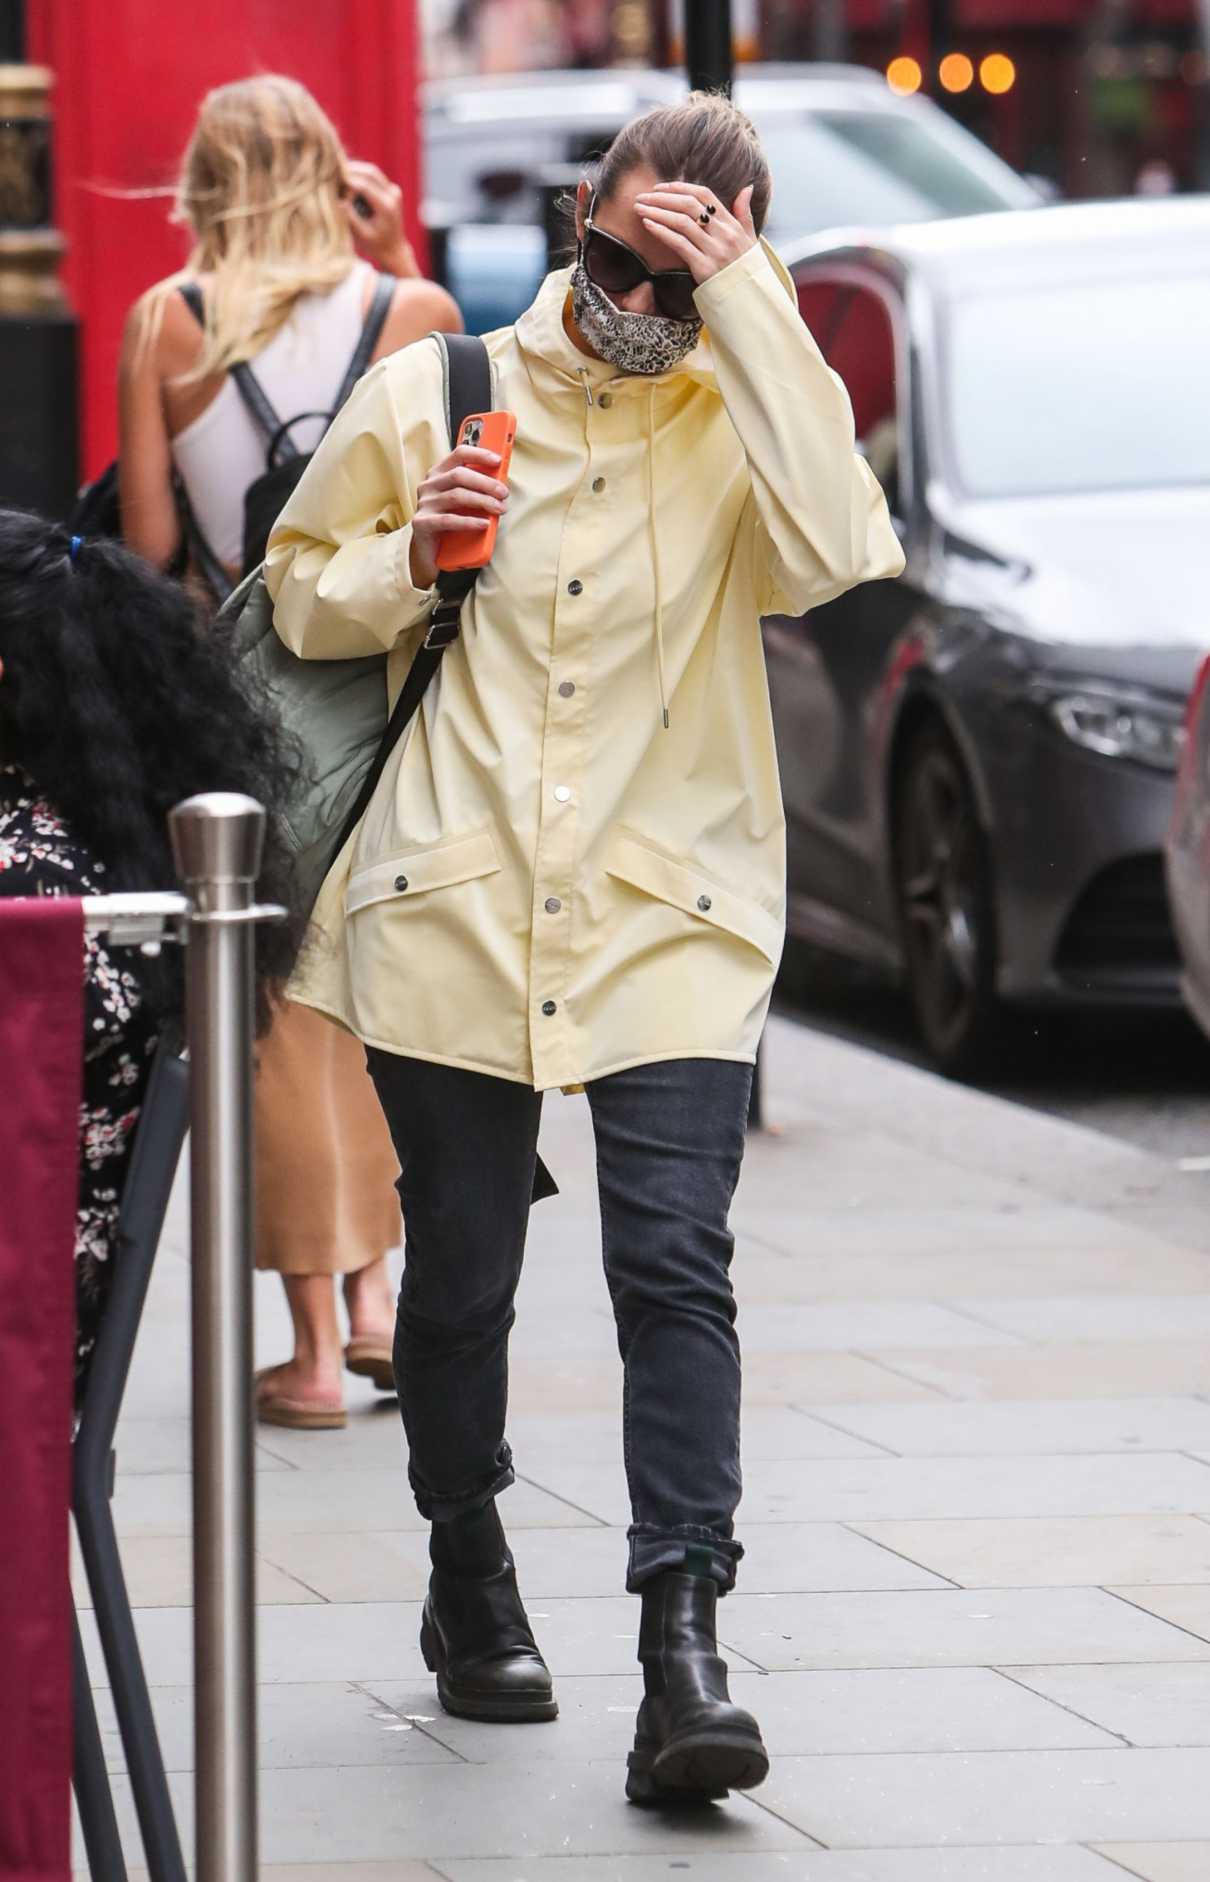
(705, 235)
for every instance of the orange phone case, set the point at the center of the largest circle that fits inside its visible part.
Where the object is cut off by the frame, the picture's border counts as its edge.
(494, 431)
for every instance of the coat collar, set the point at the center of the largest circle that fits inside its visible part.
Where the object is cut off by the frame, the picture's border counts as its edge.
(544, 340)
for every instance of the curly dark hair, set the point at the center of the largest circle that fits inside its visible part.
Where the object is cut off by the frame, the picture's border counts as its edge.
(120, 698)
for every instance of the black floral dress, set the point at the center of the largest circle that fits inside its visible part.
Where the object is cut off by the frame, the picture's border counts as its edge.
(39, 856)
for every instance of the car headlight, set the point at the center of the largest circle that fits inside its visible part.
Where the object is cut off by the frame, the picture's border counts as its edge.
(1122, 725)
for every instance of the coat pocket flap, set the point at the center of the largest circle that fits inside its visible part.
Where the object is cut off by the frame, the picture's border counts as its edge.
(415, 872)
(633, 860)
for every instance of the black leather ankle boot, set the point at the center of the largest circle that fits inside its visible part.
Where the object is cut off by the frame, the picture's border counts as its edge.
(475, 1635)
(690, 1742)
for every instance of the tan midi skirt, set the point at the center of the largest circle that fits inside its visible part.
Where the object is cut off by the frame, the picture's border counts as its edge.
(325, 1165)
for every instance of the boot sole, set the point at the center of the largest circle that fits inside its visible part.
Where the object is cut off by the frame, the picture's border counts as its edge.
(489, 1708)
(702, 1768)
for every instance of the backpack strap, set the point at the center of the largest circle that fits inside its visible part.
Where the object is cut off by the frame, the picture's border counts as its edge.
(256, 399)
(264, 412)
(248, 385)
(380, 307)
(202, 555)
(468, 388)
(191, 294)
(280, 442)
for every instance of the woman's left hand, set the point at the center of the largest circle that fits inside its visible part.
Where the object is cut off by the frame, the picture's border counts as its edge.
(705, 235)
(377, 224)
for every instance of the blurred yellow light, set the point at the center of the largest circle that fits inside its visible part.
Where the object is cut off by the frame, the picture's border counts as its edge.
(904, 76)
(956, 72)
(998, 73)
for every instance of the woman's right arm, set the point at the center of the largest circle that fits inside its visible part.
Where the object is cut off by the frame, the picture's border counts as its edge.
(351, 561)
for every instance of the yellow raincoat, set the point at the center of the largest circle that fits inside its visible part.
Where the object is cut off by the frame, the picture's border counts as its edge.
(575, 859)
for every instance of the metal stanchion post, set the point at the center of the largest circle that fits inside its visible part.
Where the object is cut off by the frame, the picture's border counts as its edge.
(217, 840)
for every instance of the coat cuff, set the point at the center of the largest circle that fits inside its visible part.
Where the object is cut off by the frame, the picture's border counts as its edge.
(416, 601)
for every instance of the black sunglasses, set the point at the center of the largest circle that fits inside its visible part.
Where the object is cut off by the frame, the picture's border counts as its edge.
(614, 266)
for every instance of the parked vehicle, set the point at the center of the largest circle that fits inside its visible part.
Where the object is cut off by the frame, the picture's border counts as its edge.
(978, 759)
(843, 149)
(1188, 852)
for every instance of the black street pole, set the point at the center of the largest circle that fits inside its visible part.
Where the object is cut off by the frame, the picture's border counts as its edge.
(12, 32)
(659, 32)
(829, 37)
(940, 16)
(709, 53)
(38, 400)
(1201, 101)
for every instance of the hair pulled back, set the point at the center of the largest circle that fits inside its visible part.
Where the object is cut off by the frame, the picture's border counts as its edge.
(701, 139)
(119, 700)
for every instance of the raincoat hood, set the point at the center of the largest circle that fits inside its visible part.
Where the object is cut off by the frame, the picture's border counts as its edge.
(546, 343)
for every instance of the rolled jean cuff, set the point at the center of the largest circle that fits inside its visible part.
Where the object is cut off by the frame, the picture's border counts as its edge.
(442, 1507)
(653, 1550)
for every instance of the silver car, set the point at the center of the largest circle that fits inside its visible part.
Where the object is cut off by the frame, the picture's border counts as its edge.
(978, 759)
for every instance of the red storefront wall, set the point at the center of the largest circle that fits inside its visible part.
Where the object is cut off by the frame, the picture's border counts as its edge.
(129, 77)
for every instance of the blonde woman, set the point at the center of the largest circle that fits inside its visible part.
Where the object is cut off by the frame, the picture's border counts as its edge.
(574, 866)
(274, 208)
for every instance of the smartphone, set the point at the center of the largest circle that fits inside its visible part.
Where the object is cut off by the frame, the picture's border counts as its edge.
(491, 431)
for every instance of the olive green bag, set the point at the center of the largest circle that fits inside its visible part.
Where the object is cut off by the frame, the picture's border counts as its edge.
(336, 710)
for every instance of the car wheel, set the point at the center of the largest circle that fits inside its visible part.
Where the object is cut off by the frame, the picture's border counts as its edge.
(946, 910)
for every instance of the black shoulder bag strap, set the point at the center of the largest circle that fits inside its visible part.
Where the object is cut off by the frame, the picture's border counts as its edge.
(468, 388)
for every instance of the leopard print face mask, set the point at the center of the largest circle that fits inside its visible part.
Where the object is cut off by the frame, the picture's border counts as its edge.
(636, 343)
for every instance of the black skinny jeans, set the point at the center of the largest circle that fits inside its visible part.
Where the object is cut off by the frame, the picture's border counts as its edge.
(670, 1139)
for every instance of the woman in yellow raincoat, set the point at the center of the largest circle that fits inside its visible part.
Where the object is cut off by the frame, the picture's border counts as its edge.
(572, 871)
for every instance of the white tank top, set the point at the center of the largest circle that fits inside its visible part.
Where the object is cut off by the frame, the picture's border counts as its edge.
(301, 370)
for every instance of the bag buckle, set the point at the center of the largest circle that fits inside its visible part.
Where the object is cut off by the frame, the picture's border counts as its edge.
(445, 625)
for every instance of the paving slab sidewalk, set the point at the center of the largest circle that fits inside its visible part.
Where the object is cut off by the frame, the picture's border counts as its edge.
(975, 1612)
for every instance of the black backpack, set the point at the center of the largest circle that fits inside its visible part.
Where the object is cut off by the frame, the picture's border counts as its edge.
(98, 510)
